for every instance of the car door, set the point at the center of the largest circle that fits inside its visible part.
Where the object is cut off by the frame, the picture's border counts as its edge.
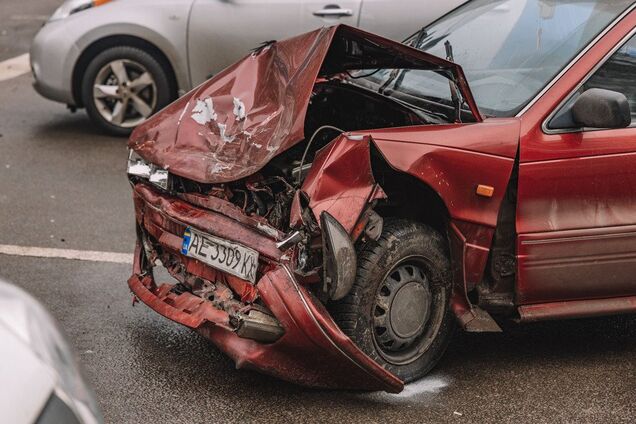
(399, 19)
(576, 209)
(222, 31)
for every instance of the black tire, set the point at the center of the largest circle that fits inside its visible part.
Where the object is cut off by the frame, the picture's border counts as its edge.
(163, 92)
(382, 265)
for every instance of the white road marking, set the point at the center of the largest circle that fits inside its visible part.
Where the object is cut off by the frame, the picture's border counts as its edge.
(80, 255)
(14, 67)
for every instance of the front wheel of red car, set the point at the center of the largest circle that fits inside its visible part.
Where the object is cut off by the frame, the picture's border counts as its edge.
(398, 311)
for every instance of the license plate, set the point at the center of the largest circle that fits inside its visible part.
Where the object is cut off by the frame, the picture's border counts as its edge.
(221, 254)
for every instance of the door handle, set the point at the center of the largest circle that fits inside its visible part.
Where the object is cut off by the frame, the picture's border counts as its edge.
(333, 12)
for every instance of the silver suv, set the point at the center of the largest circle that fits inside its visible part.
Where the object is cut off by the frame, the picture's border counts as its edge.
(125, 59)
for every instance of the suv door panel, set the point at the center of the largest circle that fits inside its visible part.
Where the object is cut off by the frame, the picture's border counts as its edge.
(221, 32)
(399, 19)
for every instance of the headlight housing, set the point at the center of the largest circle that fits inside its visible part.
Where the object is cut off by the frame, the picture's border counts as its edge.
(73, 6)
(139, 167)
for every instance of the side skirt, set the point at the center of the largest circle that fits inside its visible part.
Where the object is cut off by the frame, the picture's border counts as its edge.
(577, 309)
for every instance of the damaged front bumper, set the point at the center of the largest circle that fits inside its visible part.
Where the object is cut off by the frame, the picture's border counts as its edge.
(299, 342)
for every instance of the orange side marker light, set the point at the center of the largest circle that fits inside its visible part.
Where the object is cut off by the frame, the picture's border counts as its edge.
(485, 190)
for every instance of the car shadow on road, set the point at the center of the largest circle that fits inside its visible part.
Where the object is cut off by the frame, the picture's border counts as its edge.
(556, 339)
(469, 359)
(75, 126)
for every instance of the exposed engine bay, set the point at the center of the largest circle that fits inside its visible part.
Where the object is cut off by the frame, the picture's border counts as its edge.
(335, 107)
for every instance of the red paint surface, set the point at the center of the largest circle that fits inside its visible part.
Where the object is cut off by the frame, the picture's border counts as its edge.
(577, 309)
(453, 159)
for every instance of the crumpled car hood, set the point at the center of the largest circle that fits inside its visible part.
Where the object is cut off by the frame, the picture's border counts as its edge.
(232, 125)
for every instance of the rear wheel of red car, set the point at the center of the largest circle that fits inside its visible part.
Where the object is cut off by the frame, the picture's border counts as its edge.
(122, 87)
(398, 311)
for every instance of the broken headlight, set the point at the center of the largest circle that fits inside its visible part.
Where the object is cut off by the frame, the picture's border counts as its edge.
(139, 167)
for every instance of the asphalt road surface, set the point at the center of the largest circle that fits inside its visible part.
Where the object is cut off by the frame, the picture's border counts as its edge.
(62, 185)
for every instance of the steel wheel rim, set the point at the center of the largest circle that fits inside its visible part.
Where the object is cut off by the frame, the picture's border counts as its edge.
(412, 336)
(124, 93)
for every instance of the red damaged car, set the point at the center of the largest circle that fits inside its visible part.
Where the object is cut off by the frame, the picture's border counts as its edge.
(333, 204)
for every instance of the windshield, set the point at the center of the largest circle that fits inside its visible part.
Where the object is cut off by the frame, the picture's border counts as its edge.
(508, 49)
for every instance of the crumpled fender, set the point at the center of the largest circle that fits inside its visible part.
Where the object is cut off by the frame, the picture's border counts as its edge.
(340, 182)
(451, 159)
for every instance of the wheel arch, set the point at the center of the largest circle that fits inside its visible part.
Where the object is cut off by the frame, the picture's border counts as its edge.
(469, 243)
(401, 187)
(96, 47)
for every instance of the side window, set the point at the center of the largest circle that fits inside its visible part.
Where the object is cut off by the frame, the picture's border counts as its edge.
(618, 73)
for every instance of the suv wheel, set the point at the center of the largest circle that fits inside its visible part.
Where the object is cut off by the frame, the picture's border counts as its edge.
(398, 311)
(122, 87)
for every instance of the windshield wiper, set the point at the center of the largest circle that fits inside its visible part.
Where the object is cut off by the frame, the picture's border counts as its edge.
(394, 73)
(399, 73)
(421, 35)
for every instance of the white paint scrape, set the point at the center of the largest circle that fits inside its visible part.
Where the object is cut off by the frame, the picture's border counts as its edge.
(239, 109)
(14, 67)
(81, 255)
(222, 132)
(183, 112)
(203, 112)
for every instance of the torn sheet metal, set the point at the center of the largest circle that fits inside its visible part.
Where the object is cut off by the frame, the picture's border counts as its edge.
(341, 182)
(232, 125)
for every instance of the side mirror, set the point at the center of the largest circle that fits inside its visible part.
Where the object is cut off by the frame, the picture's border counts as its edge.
(599, 108)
